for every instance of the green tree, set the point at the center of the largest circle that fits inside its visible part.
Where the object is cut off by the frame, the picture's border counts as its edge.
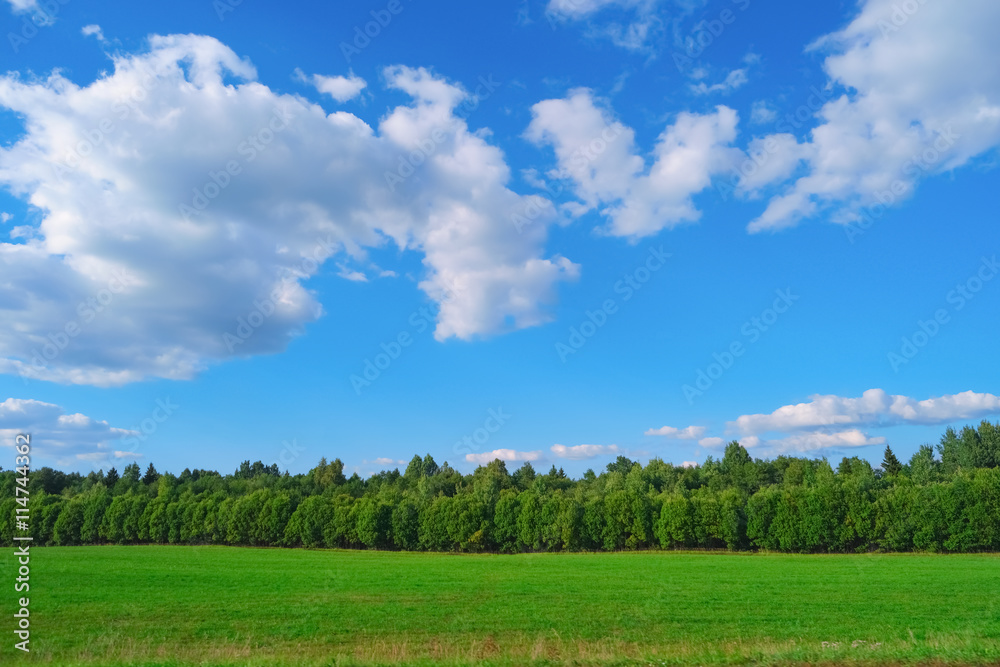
(923, 465)
(131, 474)
(66, 531)
(890, 464)
(151, 476)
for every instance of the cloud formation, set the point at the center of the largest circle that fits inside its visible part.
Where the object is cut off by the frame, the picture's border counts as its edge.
(581, 452)
(511, 455)
(218, 198)
(809, 442)
(340, 88)
(639, 21)
(918, 100)
(599, 157)
(686, 433)
(61, 438)
(873, 408)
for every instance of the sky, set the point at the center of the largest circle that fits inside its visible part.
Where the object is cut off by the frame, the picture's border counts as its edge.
(554, 231)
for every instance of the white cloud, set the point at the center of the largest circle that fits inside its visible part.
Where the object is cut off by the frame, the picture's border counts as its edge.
(23, 6)
(93, 29)
(385, 461)
(504, 455)
(761, 113)
(599, 156)
(340, 88)
(735, 79)
(920, 100)
(61, 438)
(712, 442)
(808, 442)
(348, 273)
(686, 433)
(5, 218)
(580, 452)
(582, 8)
(873, 408)
(771, 159)
(689, 464)
(634, 34)
(312, 186)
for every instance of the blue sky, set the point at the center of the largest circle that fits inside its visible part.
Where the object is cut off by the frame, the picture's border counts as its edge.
(240, 210)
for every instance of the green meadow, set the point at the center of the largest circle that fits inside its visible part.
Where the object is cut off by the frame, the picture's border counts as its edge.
(164, 605)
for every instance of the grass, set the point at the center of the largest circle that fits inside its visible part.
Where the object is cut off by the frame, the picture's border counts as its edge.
(156, 605)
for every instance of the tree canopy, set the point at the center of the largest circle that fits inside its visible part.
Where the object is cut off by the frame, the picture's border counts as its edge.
(945, 499)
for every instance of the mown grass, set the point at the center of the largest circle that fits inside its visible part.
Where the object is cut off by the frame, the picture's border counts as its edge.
(155, 605)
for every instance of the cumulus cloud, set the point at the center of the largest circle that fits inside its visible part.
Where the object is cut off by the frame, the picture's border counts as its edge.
(504, 455)
(906, 112)
(873, 408)
(808, 442)
(61, 438)
(770, 159)
(206, 200)
(340, 88)
(712, 442)
(686, 433)
(580, 452)
(598, 156)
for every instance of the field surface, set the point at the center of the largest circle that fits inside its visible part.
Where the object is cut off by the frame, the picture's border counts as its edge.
(157, 605)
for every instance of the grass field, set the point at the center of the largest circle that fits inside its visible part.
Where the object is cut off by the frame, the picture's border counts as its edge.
(229, 606)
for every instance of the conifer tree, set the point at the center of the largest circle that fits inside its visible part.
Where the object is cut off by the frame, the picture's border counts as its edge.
(890, 464)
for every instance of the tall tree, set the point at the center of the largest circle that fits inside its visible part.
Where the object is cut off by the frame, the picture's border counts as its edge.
(923, 466)
(131, 473)
(151, 475)
(890, 464)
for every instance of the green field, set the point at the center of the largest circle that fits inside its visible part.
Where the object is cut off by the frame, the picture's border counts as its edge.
(161, 605)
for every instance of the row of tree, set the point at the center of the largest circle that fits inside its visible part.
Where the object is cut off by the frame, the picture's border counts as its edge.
(943, 501)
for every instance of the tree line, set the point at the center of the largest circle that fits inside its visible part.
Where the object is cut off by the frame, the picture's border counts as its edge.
(945, 499)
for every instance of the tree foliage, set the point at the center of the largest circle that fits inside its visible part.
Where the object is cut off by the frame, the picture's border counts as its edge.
(943, 500)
